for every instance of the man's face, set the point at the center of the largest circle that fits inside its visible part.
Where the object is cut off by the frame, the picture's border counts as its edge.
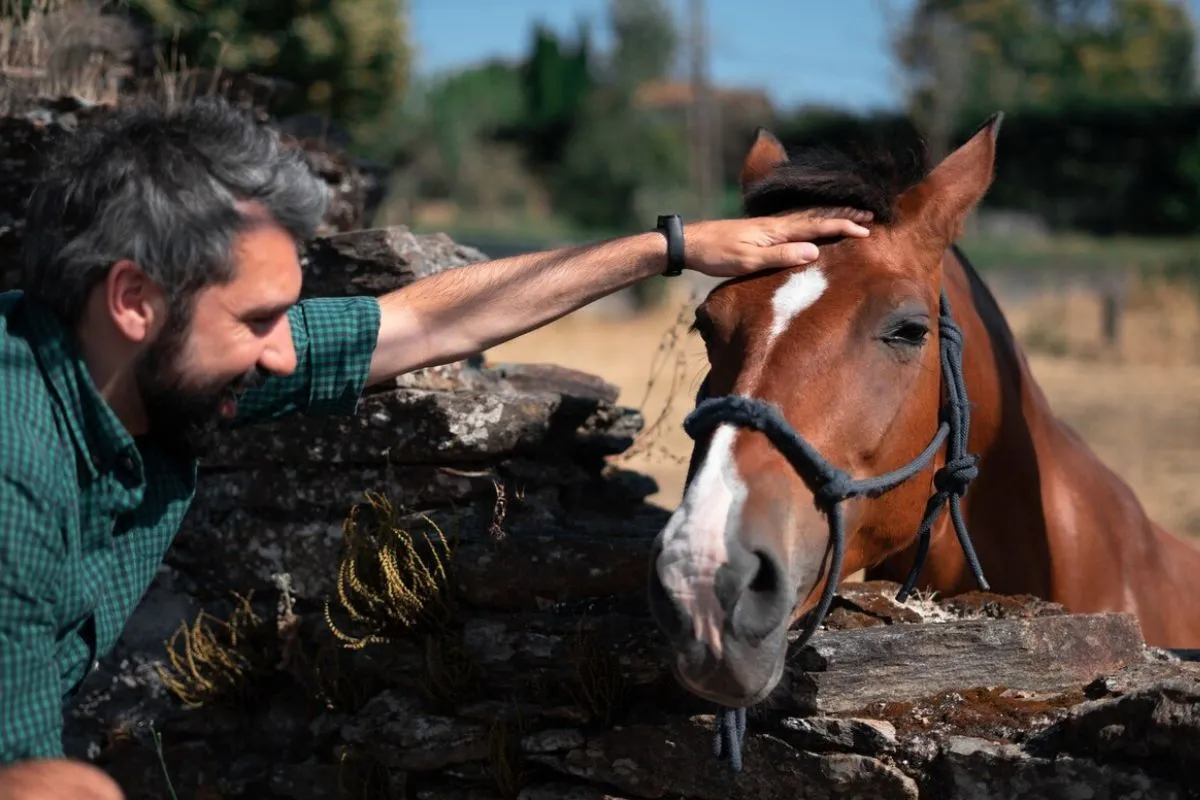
(190, 377)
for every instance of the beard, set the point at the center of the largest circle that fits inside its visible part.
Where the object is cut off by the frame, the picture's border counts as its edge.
(183, 413)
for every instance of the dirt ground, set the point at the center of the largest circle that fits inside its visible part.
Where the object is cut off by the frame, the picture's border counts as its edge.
(1136, 402)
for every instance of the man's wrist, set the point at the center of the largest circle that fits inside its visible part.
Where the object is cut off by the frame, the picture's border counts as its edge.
(670, 226)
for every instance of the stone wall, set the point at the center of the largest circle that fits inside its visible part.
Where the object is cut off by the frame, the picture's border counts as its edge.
(515, 658)
(442, 596)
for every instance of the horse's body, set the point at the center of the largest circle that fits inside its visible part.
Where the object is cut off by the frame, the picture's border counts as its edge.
(1046, 515)
(847, 351)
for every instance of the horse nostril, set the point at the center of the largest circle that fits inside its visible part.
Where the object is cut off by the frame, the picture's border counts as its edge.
(766, 579)
(763, 605)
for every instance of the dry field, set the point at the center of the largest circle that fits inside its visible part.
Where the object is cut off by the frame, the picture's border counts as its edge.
(1137, 403)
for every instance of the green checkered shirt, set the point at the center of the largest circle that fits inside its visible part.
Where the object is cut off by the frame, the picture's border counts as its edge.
(87, 512)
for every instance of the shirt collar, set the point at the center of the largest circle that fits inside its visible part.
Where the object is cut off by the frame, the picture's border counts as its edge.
(98, 434)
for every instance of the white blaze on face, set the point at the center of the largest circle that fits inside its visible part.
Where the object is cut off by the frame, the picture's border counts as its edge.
(694, 541)
(798, 292)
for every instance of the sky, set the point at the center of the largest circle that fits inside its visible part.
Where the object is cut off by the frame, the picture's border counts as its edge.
(827, 52)
(799, 51)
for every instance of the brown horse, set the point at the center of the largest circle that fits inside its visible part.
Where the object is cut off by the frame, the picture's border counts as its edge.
(847, 350)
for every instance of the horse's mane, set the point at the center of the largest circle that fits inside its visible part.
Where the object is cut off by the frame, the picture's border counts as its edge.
(869, 176)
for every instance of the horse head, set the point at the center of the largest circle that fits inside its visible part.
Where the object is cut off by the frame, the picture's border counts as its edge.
(846, 351)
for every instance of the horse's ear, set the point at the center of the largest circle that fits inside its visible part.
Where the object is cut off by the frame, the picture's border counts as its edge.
(942, 201)
(765, 155)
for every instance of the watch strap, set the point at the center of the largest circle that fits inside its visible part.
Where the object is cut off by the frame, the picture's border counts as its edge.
(671, 226)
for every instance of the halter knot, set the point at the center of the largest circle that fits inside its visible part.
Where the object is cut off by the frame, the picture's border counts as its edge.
(836, 488)
(950, 332)
(956, 475)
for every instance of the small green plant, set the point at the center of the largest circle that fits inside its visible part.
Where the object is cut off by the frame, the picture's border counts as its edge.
(388, 583)
(162, 760)
(506, 762)
(599, 682)
(452, 677)
(363, 777)
(334, 685)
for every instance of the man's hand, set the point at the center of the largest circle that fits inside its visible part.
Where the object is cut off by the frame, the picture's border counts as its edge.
(55, 778)
(727, 248)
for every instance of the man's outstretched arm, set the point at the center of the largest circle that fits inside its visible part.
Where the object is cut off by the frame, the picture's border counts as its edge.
(455, 314)
(344, 344)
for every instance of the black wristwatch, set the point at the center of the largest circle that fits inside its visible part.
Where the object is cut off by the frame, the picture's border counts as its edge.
(671, 226)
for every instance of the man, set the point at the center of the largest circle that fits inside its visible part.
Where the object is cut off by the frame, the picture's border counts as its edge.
(160, 297)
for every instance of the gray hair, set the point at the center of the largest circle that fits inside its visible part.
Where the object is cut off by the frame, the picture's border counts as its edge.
(161, 189)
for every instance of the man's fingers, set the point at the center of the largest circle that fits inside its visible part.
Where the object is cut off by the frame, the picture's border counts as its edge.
(789, 255)
(803, 227)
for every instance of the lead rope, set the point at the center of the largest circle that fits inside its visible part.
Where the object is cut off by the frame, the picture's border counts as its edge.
(834, 485)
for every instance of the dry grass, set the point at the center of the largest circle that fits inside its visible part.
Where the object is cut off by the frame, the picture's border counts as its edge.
(1135, 404)
(390, 584)
(452, 677)
(506, 762)
(62, 47)
(221, 660)
(598, 681)
(75, 48)
(656, 367)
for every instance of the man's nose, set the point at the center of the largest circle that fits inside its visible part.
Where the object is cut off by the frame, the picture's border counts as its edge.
(279, 356)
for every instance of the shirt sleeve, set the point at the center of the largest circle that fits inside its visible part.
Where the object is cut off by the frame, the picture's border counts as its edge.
(31, 723)
(335, 340)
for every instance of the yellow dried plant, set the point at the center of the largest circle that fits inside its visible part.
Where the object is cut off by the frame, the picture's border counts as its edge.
(220, 659)
(387, 584)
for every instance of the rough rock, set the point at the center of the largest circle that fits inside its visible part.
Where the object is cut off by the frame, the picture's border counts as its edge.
(1052, 653)
(975, 768)
(377, 261)
(408, 426)
(655, 761)
(395, 732)
(822, 734)
(566, 791)
(1157, 725)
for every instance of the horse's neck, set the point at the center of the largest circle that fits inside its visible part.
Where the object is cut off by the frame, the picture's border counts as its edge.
(1004, 504)
(1046, 515)
(1007, 405)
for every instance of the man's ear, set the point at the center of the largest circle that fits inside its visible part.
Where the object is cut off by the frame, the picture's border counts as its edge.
(133, 302)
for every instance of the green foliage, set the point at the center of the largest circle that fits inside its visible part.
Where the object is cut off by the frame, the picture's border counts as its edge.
(556, 83)
(646, 41)
(1106, 169)
(967, 58)
(618, 157)
(560, 130)
(349, 59)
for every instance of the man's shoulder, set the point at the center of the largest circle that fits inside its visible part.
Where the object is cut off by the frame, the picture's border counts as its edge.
(22, 377)
(18, 360)
(29, 435)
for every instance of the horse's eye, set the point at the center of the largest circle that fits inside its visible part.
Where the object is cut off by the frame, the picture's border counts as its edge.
(908, 334)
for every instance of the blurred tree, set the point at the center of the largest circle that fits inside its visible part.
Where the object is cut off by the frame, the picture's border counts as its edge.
(964, 59)
(646, 42)
(589, 154)
(349, 59)
(620, 159)
(556, 80)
